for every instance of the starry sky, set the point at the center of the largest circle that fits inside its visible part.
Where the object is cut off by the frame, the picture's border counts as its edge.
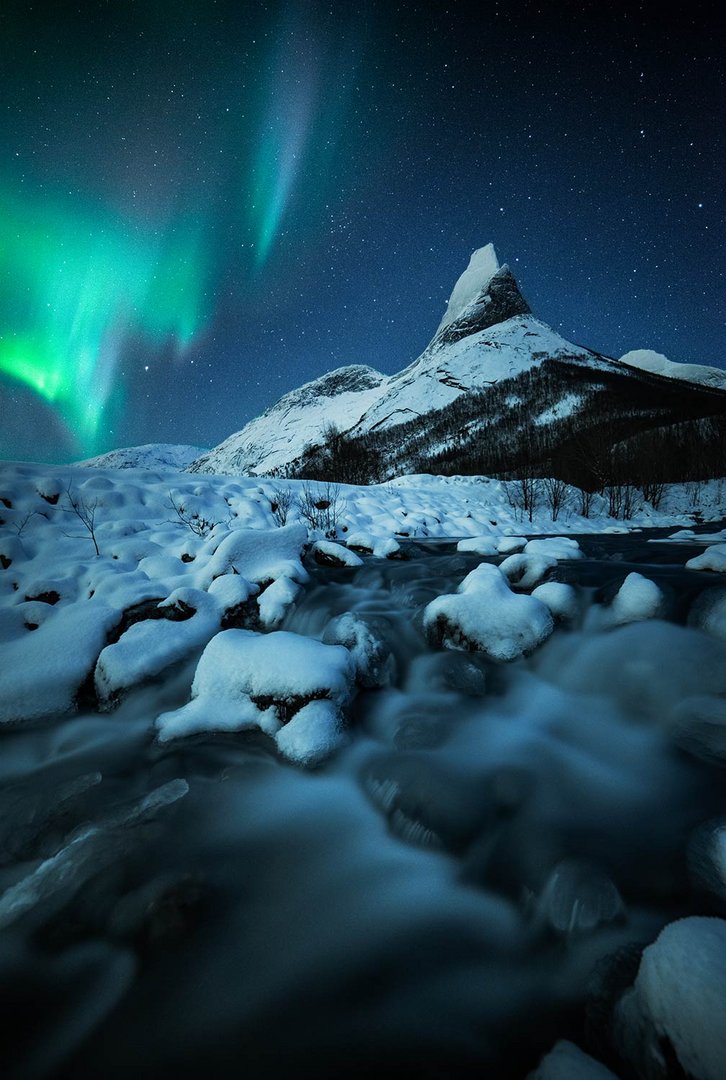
(205, 203)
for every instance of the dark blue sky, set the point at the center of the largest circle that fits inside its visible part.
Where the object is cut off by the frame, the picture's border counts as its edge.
(245, 196)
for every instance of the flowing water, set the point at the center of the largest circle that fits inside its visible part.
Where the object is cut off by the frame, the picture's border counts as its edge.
(471, 879)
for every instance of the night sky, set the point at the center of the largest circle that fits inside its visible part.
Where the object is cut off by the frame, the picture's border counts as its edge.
(205, 204)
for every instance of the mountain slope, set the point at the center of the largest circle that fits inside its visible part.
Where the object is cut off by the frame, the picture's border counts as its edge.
(167, 457)
(648, 360)
(495, 390)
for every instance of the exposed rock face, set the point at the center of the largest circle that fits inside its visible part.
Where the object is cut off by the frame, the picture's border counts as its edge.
(498, 301)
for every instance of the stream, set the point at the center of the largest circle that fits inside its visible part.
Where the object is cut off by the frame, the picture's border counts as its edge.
(473, 877)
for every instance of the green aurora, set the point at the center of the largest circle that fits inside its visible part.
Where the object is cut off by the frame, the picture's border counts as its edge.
(78, 285)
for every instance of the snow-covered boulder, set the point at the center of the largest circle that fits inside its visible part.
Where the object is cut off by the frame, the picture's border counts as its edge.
(713, 558)
(637, 598)
(267, 681)
(558, 547)
(527, 570)
(560, 598)
(327, 553)
(150, 646)
(508, 545)
(479, 545)
(485, 614)
(566, 1061)
(677, 1004)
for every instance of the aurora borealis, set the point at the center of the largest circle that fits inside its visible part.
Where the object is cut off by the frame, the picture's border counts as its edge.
(204, 205)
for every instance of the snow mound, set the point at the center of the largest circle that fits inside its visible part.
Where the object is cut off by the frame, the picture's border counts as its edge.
(566, 1061)
(246, 680)
(484, 614)
(714, 558)
(679, 998)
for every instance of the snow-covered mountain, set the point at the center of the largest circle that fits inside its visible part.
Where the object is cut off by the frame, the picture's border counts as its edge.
(658, 364)
(494, 385)
(164, 457)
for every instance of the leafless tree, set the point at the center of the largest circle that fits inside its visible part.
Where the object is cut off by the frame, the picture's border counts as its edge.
(85, 510)
(555, 492)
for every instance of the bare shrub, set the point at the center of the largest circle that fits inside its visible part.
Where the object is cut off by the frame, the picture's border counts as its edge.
(320, 507)
(281, 504)
(555, 493)
(193, 520)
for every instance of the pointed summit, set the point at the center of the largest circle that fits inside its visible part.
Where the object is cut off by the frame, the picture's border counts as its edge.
(485, 294)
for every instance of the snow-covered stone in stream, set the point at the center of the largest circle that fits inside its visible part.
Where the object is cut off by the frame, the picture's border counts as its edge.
(374, 664)
(558, 547)
(485, 614)
(313, 734)
(566, 1061)
(383, 547)
(326, 553)
(560, 598)
(277, 599)
(479, 545)
(508, 545)
(677, 1004)
(150, 646)
(713, 558)
(245, 552)
(42, 670)
(637, 598)
(246, 680)
(527, 570)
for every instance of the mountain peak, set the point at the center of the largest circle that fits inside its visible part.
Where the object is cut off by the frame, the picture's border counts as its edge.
(485, 294)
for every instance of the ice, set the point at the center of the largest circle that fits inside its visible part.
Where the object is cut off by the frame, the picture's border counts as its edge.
(485, 614)
(678, 1000)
